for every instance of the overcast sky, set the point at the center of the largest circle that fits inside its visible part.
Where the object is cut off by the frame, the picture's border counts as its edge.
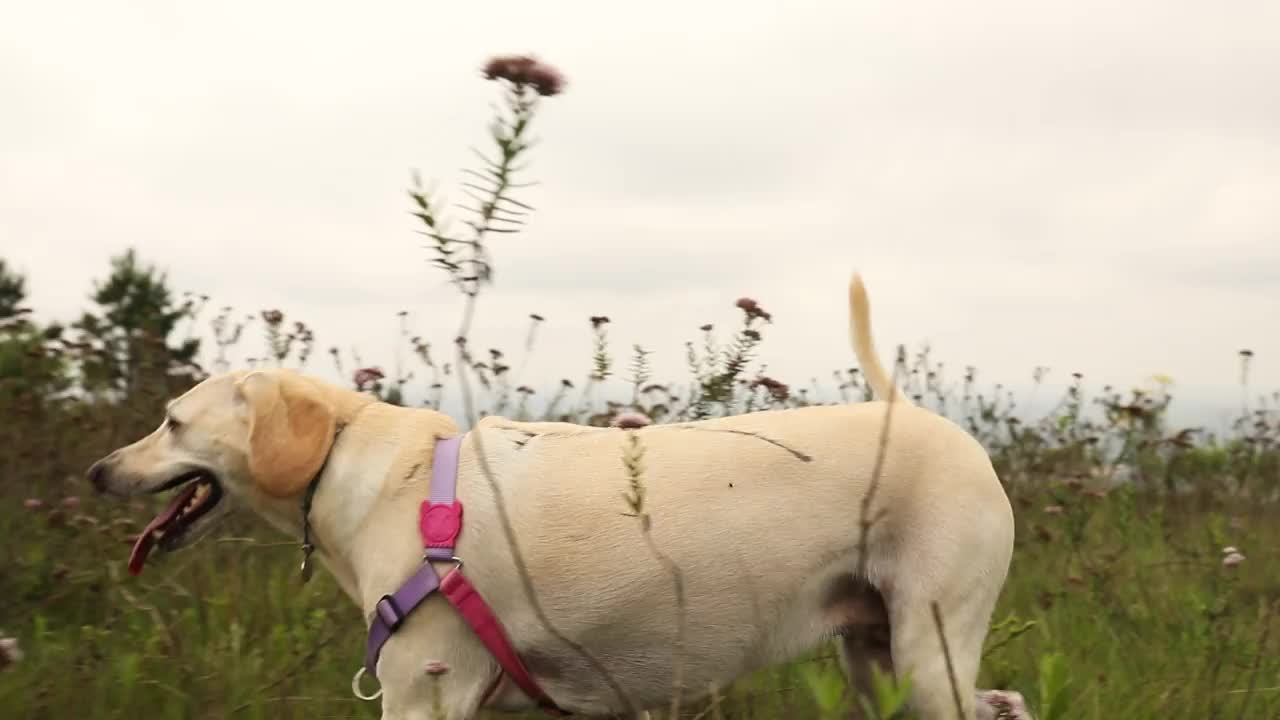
(1086, 185)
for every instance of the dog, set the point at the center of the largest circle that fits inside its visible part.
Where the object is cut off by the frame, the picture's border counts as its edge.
(787, 528)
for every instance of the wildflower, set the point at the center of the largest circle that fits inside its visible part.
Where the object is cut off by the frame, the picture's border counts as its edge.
(71, 501)
(1232, 560)
(751, 335)
(536, 317)
(598, 320)
(273, 317)
(706, 328)
(523, 70)
(777, 389)
(753, 309)
(1229, 549)
(367, 376)
(10, 652)
(32, 504)
(1007, 704)
(631, 421)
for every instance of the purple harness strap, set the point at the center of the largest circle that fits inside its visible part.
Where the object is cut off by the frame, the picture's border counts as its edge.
(440, 522)
(392, 609)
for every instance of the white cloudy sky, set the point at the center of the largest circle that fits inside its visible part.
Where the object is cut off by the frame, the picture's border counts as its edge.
(1086, 185)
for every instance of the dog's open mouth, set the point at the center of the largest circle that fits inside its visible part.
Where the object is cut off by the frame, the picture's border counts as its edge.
(199, 494)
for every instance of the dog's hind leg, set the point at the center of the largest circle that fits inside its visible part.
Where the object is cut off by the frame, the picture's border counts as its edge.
(858, 612)
(943, 682)
(861, 653)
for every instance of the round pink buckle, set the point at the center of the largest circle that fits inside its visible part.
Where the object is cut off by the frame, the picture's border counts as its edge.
(440, 524)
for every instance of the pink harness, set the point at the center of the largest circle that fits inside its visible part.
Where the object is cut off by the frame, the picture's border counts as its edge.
(440, 522)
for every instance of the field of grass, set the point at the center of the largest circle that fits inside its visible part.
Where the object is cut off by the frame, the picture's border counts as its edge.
(1145, 582)
(1121, 601)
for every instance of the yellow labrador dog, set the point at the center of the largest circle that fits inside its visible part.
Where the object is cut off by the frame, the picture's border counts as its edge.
(762, 513)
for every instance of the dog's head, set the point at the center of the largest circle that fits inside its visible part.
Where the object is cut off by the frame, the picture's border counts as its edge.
(258, 438)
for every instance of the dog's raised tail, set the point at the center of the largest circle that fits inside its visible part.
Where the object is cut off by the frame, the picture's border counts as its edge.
(864, 348)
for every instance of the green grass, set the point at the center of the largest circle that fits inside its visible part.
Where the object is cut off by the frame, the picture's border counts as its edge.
(1128, 590)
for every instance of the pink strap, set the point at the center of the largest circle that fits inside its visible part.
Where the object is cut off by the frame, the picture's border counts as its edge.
(440, 523)
(463, 595)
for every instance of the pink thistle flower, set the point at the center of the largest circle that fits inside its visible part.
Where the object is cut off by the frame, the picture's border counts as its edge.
(365, 377)
(631, 421)
(521, 70)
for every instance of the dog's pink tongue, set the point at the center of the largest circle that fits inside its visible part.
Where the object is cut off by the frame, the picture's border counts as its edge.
(147, 540)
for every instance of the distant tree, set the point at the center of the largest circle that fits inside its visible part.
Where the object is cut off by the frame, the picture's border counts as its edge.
(127, 334)
(33, 366)
(13, 290)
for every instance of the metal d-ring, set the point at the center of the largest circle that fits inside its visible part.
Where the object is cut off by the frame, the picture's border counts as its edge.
(355, 687)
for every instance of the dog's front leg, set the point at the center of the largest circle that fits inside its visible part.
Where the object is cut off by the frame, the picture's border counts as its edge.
(436, 692)
(434, 669)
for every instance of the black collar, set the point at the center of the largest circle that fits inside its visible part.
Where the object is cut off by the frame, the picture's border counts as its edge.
(307, 497)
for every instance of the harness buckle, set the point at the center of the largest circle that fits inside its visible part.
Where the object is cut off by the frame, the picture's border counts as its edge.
(389, 612)
(440, 523)
(457, 561)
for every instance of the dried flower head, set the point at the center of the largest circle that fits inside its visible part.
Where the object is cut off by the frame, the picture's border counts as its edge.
(753, 309)
(598, 320)
(364, 377)
(1007, 704)
(525, 70)
(273, 317)
(631, 421)
(776, 388)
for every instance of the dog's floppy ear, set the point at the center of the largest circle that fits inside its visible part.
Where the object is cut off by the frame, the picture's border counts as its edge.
(291, 430)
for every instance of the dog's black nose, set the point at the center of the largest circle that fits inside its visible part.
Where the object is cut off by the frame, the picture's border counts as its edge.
(98, 475)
